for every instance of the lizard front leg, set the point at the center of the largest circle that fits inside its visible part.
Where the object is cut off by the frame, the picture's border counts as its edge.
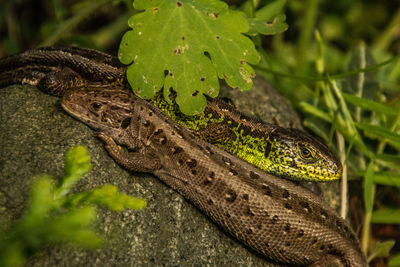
(141, 161)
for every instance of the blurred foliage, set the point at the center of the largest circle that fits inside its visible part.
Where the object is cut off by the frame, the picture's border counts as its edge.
(337, 62)
(54, 215)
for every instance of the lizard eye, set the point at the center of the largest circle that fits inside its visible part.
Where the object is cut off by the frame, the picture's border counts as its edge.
(305, 152)
(96, 105)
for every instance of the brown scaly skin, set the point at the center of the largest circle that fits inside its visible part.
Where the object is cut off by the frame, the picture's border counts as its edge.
(285, 152)
(273, 216)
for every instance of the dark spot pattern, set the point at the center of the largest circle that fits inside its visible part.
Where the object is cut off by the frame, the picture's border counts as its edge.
(191, 163)
(254, 175)
(233, 172)
(300, 233)
(267, 190)
(125, 123)
(274, 219)
(287, 228)
(285, 194)
(288, 206)
(230, 196)
(176, 150)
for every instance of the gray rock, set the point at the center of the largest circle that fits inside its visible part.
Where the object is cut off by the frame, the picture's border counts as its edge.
(34, 135)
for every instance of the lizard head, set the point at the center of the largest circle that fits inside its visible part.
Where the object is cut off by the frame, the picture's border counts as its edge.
(297, 155)
(100, 108)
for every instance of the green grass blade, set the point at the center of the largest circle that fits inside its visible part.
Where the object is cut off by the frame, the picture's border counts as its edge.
(381, 133)
(369, 104)
(391, 216)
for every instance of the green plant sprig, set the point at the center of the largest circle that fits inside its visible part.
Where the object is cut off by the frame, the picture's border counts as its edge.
(54, 215)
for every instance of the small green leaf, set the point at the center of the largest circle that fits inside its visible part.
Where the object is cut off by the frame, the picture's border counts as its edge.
(77, 164)
(368, 187)
(370, 105)
(42, 197)
(388, 216)
(109, 196)
(187, 45)
(268, 27)
(381, 249)
(394, 261)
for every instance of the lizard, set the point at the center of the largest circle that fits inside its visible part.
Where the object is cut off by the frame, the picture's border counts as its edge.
(274, 217)
(286, 152)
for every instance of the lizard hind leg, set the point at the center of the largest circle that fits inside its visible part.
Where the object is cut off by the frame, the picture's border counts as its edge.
(56, 83)
(137, 161)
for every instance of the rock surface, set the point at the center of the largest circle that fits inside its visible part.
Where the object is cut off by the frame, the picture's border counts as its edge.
(34, 135)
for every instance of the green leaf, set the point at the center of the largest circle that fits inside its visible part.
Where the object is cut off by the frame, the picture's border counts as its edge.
(109, 196)
(271, 10)
(41, 200)
(368, 187)
(388, 216)
(381, 133)
(381, 249)
(370, 105)
(187, 45)
(268, 27)
(77, 164)
(394, 261)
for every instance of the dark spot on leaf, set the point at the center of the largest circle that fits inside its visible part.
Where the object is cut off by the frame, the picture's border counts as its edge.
(217, 37)
(242, 61)
(166, 72)
(155, 9)
(202, 79)
(179, 4)
(195, 93)
(171, 74)
(183, 38)
(177, 51)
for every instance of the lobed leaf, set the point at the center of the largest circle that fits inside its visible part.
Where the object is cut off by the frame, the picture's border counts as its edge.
(186, 46)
